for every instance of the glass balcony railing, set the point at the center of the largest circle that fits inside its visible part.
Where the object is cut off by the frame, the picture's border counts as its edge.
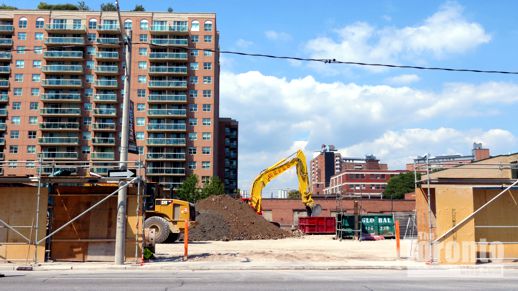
(104, 126)
(167, 126)
(60, 125)
(4, 83)
(59, 155)
(61, 97)
(168, 84)
(166, 156)
(106, 83)
(168, 97)
(5, 55)
(3, 126)
(108, 40)
(5, 69)
(58, 140)
(6, 28)
(165, 171)
(101, 170)
(2, 140)
(107, 55)
(62, 82)
(3, 112)
(62, 68)
(106, 69)
(103, 140)
(4, 97)
(108, 27)
(172, 28)
(65, 40)
(60, 111)
(168, 112)
(6, 41)
(102, 155)
(170, 70)
(105, 97)
(170, 41)
(166, 141)
(63, 54)
(168, 56)
(105, 111)
(64, 26)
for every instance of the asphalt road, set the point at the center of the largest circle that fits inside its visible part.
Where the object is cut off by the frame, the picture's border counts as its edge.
(255, 280)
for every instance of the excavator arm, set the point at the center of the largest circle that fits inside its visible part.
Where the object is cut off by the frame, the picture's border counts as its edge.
(298, 160)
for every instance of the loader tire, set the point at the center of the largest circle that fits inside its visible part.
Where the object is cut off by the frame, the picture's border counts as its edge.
(161, 227)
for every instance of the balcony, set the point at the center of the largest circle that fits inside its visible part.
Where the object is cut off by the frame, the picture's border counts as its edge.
(105, 98)
(63, 27)
(3, 126)
(165, 171)
(5, 55)
(62, 55)
(6, 42)
(3, 112)
(5, 69)
(170, 41)
(166, 156)
(2, 157)
(168, 84)
(61, 126)
(109, 112)
(58, 140)
(60, 40)
(108, 42)
(62, 97)
(4, 97)
(112, 84)
(103, 141)
(107, 55)
(167, 112)
(103, 171)
(6, 28)
(63, 69)
(2, 140)
(167, 98)
(60, 155)
(166, 56)
(168, 70)
(167, 127)
(60, 111)
(104, 126)
(102, 156)
(106, 28)
(106, 70)
(4, 83)
(158, 29)
(60, 83)
(166, 141)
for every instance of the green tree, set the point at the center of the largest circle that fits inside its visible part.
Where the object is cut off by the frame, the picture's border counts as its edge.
(81, 5)
(213, 187)
(293, 194)
(108, 7)
(189, 191)
(67, 6)
(139, 7)
(7, 7)
(401, 184)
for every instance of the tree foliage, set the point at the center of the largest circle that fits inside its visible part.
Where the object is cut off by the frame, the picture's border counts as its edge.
(81, 5)
(139, 7)
(401, 184)
(108, 7)
(293, 194)
(190, 191)
(67, 6)
(7, 7)
(213, 187)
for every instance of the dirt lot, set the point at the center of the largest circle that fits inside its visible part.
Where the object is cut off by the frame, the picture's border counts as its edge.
(294, 249)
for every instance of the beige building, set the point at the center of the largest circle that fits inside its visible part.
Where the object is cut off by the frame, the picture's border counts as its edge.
(61, 90)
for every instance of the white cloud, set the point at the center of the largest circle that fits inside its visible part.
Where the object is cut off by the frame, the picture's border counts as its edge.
(444, 33)
(277, 35)
(403, 79)
(243, 43)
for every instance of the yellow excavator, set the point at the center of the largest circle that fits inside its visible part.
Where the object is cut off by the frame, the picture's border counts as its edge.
(297, 159)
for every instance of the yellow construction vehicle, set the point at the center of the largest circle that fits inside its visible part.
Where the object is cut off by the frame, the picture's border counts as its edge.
(297, 159)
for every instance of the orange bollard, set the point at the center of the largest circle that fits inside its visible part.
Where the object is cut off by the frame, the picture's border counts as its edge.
(186, 240)
(398, 251)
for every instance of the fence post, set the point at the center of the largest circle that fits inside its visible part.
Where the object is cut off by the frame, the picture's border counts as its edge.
(398, 250)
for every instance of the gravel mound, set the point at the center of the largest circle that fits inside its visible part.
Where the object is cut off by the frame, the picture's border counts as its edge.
(225, 218)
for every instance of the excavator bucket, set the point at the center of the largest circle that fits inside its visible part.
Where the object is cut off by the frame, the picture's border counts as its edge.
(315, 210)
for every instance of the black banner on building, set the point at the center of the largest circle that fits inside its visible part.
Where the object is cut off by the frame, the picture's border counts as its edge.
(132, 140)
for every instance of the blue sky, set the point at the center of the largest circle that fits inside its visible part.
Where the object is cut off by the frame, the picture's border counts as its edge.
(391, 113)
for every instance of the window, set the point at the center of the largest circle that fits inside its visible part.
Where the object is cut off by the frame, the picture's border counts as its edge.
(141, 121)
(30, 164)
(33, 105)
(21, 64)
(207, 107)
(22, 22)
(193, 136)
(194, 53)
(144, 24)
(38, 36)
(192, 150)
(87, 135)
(89, 78)
(22, 35)
(128, 24)
(90, 64)
(35, 91)
(193, 93)
(36, 64)
(91, 37)
(206, 121)
(193, 121)
(195, 25)
(207, 38)
(205, 179)
(89, 92)
(140, 150)
(76, 23)
(206, 136)
(141, 106)
(142, 51)
(36, 77)
(142, 79)
(90, 50)
(92, 24)
(17, 91)
(31, 149)
(192, 165)
(18, 77)
(207, 26)
(15, 134)
(31, 134)
(87, 106)
(205, 150)
(87, 121)
(85, 149)
(195, 38)
(15, 120)
(194, 66)
(143, 38)
(207, 79)
(13, 164)
(207, 66)
(140, 135)
(193, 107)
(38, 50)
(33, 120)
(13, 149)
(207, 53)
(40, 23)
(20, 50)
(194, 80)
(142, 65)
(141, 93)
(207, 93)
(205, 165)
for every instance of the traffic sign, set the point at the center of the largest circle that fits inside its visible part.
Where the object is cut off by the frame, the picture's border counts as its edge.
(121, 174)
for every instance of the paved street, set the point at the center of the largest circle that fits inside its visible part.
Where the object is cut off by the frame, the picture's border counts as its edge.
(251, 280)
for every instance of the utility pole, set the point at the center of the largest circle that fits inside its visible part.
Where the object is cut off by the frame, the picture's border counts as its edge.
(120, 235)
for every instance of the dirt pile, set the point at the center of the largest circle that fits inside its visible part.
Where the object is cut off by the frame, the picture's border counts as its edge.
(225, 218)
